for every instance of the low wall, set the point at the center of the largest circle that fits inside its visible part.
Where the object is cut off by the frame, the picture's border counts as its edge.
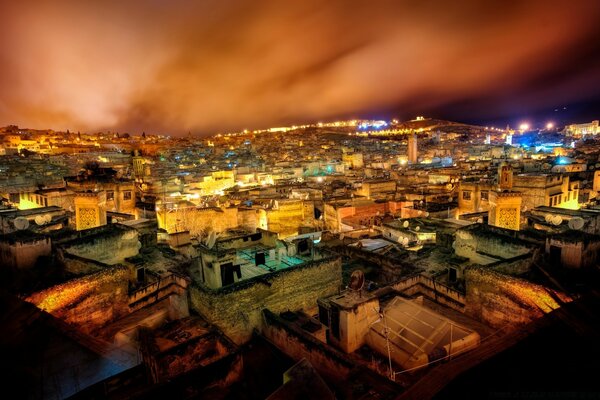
(329, 362)
(391, 269)
(421, 284)
(236, 309)
(88, 302)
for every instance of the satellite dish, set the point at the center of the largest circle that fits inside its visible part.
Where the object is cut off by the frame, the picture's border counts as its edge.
(47, 218)
(576, 223)
(524, 208)
(357, 280)
(40, 220)
(480, 220)
(418, 228)
(21, 223)
(427, 213)
(405, 224)
(405, 241)
(548, 218)
(557, 220)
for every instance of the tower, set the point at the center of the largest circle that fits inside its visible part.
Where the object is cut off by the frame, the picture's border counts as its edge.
(412, 148)
(505, 176)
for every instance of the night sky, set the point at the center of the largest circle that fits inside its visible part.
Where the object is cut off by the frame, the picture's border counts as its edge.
(173, 66)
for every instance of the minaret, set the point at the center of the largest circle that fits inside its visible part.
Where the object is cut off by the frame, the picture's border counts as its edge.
(505, 205)
(412, 148)
(508, 135)
(505, 176)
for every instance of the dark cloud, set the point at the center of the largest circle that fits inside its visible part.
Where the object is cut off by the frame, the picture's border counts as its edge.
(220, 65)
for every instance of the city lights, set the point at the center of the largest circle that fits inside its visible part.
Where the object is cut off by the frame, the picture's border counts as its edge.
(299, 199)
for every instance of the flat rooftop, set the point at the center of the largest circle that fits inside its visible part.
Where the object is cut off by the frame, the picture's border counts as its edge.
(276, 259)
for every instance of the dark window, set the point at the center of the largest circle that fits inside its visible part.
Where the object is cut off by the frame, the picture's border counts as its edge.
(466, 195)
(303, 246)
(227, 274)
(335, 322)
(259, 258)
(110, 195)
(452, 274)
(485, 195)
(127, 195)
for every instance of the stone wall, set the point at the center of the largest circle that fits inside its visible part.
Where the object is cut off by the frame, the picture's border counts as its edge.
(110, 247)
(499, 300)
(236, 309)
(287, 218)
(89, 302)
(197, 220)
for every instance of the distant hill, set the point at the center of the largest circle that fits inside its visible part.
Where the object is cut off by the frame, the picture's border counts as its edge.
(437, 124)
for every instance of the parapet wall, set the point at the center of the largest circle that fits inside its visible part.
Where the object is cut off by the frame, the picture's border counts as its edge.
(88, 302)
(236, 309)
(110, 247)
(421, 284)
